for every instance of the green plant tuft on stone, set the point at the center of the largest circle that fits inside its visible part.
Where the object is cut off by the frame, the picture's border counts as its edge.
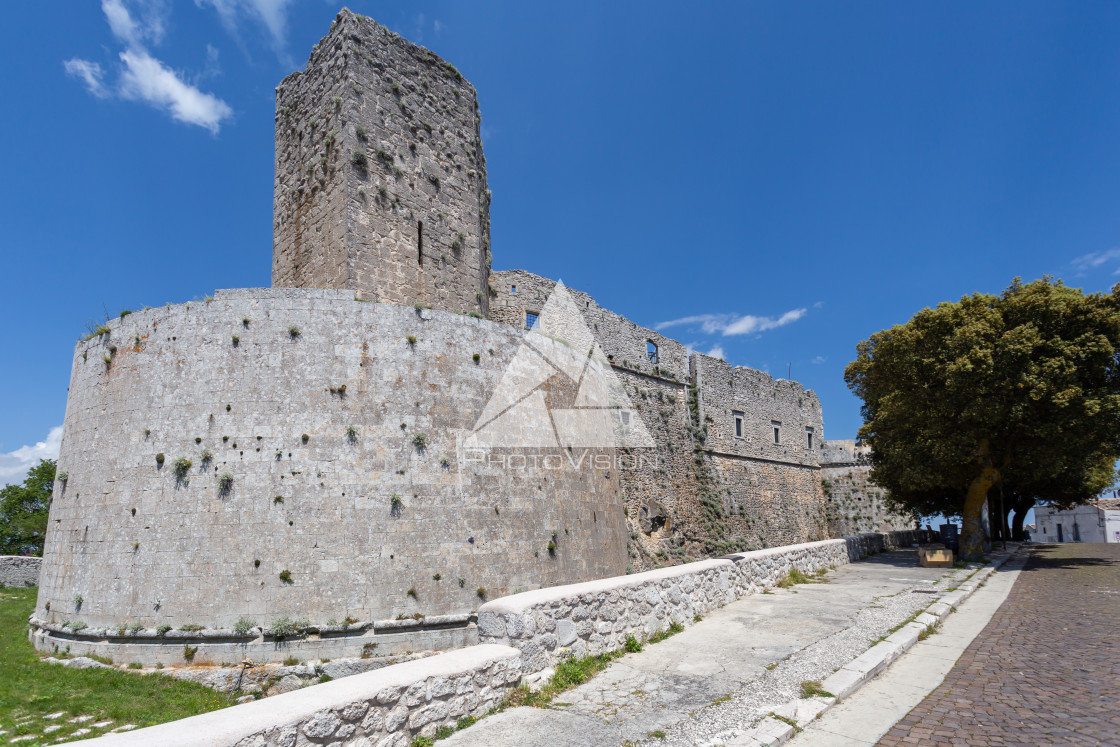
(243, 625)
(181, 467)
(286, 576)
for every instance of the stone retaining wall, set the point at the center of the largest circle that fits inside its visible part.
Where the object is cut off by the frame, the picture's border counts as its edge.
(597, 616)
(394, 704)
(18, 570)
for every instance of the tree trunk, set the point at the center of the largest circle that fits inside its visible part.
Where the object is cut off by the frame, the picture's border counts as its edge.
(972, 534)
(1022, 506)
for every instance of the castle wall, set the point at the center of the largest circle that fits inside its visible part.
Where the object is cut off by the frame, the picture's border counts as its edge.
(380, 177)
(19, 570)
(768, 488)
(853, 502)
(232, 377)
(702, 490)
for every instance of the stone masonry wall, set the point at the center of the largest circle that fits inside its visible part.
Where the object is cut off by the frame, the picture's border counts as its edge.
(597, 616)
(19, 570)
(702, 490)
(380, 177)
(768, 488)
(853, 502)
(339, 438)
(388, 707)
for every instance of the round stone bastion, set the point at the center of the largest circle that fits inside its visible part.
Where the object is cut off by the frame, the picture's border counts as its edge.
(277, 472)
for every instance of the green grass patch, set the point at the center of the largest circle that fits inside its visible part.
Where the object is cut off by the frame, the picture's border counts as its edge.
(661, 635)
(31, 689)
(811, 688)
(569, 673)
(794, 577)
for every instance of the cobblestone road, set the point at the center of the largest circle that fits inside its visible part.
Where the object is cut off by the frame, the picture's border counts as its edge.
(1045, 670)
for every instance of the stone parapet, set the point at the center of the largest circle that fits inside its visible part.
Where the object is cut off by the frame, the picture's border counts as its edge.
(19, 570)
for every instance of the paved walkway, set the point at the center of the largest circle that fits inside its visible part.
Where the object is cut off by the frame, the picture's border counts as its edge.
(865, 716)
(731, 669)
(1045, 670)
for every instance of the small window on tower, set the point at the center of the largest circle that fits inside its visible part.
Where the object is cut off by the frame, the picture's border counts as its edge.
(531, 319)
(777, 426)
(738, 418)
(808, 437)
(513, 289)
(420, 243)
(651, 351)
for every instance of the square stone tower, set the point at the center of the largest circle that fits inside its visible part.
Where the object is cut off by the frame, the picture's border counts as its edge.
(380, 178)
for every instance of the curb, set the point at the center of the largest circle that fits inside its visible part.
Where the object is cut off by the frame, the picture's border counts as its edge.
(795, 715)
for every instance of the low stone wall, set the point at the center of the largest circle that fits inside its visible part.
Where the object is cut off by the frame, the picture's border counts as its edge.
(391, 706)
(148, 648)
(18, 570)
(401, 702)
(597, 616)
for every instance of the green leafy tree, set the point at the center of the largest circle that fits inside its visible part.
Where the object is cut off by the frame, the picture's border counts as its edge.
(1019, 391)
(23, 511)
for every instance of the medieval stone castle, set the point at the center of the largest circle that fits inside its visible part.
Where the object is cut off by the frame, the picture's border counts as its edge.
(294, 453)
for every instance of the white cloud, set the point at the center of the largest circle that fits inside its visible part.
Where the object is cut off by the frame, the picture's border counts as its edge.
(438, 26)
(1093, 260)
(14, 464)
(818, 360)
(716, 352)
(124, 24)
(733, 324)
(147, 79)
(90, 73)
(271, 14)
(143, 77)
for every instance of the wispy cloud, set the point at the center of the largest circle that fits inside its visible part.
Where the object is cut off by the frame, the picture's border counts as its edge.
(818, 360)
(14, 464)
(144, 78)
(1091, 261)
(734, 324)
(271, 15)
(88, 72)
(147, 79)
(716, 352)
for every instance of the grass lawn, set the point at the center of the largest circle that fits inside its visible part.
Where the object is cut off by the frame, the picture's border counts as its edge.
(31, 689)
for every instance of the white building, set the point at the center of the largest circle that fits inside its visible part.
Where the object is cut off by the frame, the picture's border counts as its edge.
(1094, 522)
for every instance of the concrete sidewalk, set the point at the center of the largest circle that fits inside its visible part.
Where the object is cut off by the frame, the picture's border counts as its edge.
(730, 670)
(868, 714)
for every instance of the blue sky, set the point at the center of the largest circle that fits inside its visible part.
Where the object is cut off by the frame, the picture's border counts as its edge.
(788, 178)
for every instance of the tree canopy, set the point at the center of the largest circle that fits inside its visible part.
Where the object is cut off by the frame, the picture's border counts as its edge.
(1019, 390)
(23, 511)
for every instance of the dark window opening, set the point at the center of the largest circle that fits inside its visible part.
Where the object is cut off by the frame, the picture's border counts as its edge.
(420, 243)
(513, 289)
(777, 425)
(738, 416)
(531, 320)
(651, 351)
(808, 438)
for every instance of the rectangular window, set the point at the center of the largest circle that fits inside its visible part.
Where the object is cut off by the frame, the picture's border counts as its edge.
(777, 426)
(531, 319)
(808, 438)
(738, 418)
(513, 289)
(625, 417)
(651, 351)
